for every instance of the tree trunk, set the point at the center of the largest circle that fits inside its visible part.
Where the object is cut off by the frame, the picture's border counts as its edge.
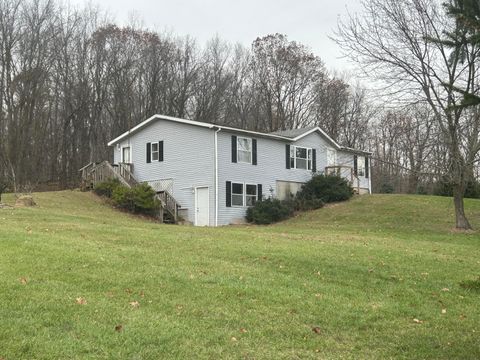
(413, 182)
(460, 218)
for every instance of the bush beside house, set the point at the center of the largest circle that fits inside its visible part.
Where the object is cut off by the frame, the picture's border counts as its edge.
(321, 189)
(139, 199)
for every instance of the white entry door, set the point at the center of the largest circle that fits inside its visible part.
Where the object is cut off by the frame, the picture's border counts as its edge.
(201, 206)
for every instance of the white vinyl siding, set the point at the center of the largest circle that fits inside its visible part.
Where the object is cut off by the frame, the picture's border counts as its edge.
(189, 165)
(270, 169)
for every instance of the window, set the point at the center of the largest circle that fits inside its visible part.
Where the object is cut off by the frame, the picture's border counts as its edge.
(361, 166)
(244, 150)
(155, 151)
(251, 195)
(237, 194)
(242, 194)
(300, 158)
(126, 154)
(331, 157)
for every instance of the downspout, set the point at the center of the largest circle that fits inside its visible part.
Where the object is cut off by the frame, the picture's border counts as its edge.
(369, 175)
(216, 174)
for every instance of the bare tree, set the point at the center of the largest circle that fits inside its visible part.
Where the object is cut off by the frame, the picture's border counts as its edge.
(285, 74)
(392, 42)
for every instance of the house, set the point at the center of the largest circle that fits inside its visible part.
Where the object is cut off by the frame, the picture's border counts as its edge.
(215, 172)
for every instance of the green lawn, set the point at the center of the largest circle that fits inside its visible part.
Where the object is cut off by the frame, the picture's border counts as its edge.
(362, 271)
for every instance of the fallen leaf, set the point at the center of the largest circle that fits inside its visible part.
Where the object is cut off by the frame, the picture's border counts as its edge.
(142, 293)
(444, 311)
(445, 289)
(81, 301)
(234, 338)
(370, 270)
(134, 304)
(416, 321)
(243, 330)
(119, 328)
(316, 330)
(23, 280)
(129, 291)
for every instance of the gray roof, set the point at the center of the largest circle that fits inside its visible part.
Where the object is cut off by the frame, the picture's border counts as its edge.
(293, 133)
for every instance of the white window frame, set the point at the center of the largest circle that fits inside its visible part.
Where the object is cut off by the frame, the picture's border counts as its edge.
(244, 193)
(250, 152)
(152, 152)
(232, 194)
(130, 154)
(309, 158)
(255, 197)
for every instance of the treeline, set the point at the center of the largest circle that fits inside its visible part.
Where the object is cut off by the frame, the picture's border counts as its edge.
(71, 80)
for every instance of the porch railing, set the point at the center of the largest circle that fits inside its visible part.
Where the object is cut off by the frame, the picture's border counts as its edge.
(169, 203)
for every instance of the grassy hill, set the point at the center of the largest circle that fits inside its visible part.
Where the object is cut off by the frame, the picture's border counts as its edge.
(377, 277)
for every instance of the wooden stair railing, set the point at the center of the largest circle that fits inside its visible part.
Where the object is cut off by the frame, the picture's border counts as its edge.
(105, 171)
(124, 171)
(93, 174)
(169, 204)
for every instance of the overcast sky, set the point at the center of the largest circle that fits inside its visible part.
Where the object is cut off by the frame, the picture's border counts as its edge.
(307, 21)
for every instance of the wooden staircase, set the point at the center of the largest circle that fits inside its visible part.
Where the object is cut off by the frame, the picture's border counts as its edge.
(94, 173)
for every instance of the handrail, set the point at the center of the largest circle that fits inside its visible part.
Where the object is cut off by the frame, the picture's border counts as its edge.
(95, 173)
(123, 170)
(169, 203)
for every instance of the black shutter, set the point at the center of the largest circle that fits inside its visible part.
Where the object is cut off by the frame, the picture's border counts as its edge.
(366, 167)
(234, 149)
(149, 152)
(254, 151)
(229, 194)
(160, 151)
(355, 167)
(287, 155)
(259, 192)
(314, 160)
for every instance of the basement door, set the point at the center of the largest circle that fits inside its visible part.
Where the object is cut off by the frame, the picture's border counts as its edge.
(201, 206)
